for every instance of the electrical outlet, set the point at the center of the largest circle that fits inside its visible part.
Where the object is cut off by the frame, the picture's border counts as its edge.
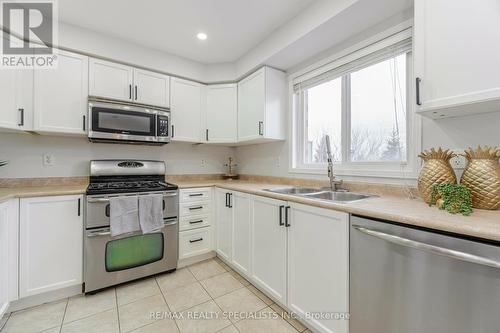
(48, 160)
(278, 162)
(203, 162)
(458, 162)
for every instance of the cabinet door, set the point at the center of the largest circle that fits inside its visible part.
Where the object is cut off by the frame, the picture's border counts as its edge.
(60, 102)
(318, 273)
(16, 99)
(110, 80)
(222, 109)
(251, 106)
(269, 247)
(456, 56)
(223, 224)
(4, 258)
(51, 237)
(186, 106)
(241, 203)
(151, 88)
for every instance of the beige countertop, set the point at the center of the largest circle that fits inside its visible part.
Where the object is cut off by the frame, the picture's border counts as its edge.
(40, 191)
(482, 223)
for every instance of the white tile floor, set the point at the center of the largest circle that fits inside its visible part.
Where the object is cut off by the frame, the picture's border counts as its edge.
(207, 289)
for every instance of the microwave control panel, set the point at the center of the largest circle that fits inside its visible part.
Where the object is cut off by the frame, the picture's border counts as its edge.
(162, 126)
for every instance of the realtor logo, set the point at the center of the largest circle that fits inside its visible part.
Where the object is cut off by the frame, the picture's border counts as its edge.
(28, 34)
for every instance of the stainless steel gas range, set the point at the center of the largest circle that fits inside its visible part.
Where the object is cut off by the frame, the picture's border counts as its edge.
(112, 260)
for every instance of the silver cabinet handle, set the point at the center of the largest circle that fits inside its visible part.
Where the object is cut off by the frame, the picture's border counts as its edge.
(136, 92)
(196, 195)
(84, 123)
(196, 208)
(429, 248)
(197, 221)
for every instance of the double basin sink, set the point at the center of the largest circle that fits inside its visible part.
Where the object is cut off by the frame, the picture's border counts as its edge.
(323, 195)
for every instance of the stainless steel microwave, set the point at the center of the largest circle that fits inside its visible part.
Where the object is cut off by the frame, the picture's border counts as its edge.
(116, 122)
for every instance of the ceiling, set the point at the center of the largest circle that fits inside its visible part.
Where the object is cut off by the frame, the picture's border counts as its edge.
(233, 26)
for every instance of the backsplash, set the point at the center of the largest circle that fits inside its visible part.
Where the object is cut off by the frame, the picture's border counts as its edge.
(71, 156)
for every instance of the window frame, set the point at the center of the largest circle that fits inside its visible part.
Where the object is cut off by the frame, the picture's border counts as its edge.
(374, 169)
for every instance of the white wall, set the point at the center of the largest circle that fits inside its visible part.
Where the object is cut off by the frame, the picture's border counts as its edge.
(72, 155)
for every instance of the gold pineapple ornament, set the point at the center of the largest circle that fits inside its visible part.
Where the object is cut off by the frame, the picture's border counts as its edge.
(436, 170)
(482, 177)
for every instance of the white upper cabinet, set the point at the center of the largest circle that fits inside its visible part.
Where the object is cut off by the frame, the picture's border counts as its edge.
(16, 99)
(187, 104)
(60, 95)
(457, 48)
(50, 244)
(318, 265)
(222, 113)
(151, 88)
(110, 80)
(269, 249)
(261, 106)
(125, 83)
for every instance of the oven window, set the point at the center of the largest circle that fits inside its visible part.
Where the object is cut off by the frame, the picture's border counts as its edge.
(134, 251)
(123, 122)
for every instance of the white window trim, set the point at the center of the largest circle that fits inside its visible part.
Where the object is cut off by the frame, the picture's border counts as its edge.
(395, 170)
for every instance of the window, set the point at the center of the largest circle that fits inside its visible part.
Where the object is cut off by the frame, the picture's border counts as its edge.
(363, 107)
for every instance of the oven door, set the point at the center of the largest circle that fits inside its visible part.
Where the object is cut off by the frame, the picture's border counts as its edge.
(110, 121)
(110, 260)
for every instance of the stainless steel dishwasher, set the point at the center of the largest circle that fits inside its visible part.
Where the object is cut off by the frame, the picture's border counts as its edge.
(407, 280)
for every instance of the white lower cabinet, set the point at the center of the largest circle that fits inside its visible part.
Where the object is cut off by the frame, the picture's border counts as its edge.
(269, 247)
(50, 243)
(297, 254)
(194, 242)
(241, 204)
(4, 257)
(224, 217)
(195, 216)
(318, 261)
(9, 226)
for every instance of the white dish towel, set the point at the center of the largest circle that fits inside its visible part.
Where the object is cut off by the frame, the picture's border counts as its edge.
(124, 215)
(151, 213)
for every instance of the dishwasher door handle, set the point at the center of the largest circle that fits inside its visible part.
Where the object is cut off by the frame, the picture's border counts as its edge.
(442, 251)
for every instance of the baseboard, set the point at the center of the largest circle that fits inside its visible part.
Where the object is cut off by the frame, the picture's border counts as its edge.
(47, 297)
(193, 260)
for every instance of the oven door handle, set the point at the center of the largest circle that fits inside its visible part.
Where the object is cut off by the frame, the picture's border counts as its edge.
(107, 232)
(98, 233)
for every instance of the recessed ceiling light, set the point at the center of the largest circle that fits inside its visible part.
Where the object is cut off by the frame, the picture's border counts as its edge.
(201, 36)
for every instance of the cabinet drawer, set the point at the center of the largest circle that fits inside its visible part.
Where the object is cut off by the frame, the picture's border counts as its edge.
(196, 194)
(194, 222)
(195, 242)
(193, 209)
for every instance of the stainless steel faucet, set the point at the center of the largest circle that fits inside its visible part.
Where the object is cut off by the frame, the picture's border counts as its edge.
(334, 182)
